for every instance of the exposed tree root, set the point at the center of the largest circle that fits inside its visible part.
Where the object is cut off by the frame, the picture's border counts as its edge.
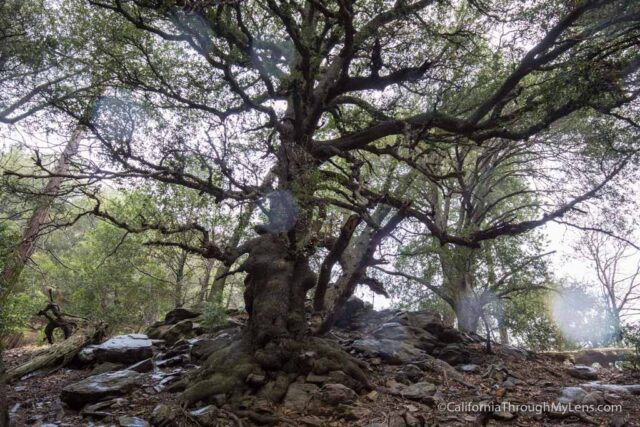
(240, 373)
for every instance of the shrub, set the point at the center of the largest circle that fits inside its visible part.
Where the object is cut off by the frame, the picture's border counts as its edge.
(213, 314)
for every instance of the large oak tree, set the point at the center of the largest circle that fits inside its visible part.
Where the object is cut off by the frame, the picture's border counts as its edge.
(340, 101)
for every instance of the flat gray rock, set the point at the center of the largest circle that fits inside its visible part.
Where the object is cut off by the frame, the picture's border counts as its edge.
(334, 394)
(422, 391)
(393, 352)
(127, 421)
(98, 387)
(613, 388)
(469, 368)
(125, 349)
(572, 395)
(583, 372)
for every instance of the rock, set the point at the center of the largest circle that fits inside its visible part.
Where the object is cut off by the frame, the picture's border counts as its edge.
(101, 406)
(621, 389)
(393, 352)
(593, 398)
(503, 415)
(126, 421)
(106, 367)
(256, 380)
(422, 391)
(97, 409)
(206, 415)
(353, 413)
(86, 355)
(143, 366)
(178, 314)
(312, 421)
(198, 329)
(180, 359)
(177, 350)
(317, 379)
(299, 395)
(164, 415)
(393, 331)
(454, 354)
(337, 393)
(444, 333)
(619, 420)
(583, 372)
(516, 352)
(571, 395)
(409, 374)
(396, 420)
(411, 420)
(372, 395)
(202, 348)
(423, 319)
(123, 349)
(173, 333)
(353, 308)
(98, 387)
(469, 368)
(511, 382)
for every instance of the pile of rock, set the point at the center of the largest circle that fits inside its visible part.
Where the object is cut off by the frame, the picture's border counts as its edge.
(178, 324)
(415, 344)
(399, 337)
(128, 362)
(119, 364)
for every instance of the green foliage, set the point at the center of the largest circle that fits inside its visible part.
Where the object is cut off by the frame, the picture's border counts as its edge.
(213, 314)
(631, 337)
(18, 310)
(529, 320)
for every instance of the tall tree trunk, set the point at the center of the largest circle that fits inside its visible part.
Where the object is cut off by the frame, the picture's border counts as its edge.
(504, 334)
(467, 313)
(178, 292)
(458, 283)
(18, 259)
(204, 280)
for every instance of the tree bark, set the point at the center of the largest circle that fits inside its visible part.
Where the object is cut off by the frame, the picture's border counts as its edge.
(18, 259)
(458, 278)
(467, 314)
(275, 289)
(178, 292)
(216, 293)
(504, 334)
(4, 409)
(204, 280)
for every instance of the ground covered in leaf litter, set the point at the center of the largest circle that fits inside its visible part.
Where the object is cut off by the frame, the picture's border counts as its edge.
(515, 387)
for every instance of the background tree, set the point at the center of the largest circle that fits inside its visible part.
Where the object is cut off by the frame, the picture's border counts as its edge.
(618, 272)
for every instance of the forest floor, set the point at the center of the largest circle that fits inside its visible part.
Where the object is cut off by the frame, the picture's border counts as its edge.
(527, 385)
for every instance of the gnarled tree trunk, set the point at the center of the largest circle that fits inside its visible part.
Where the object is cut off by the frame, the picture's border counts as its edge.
(276, 343)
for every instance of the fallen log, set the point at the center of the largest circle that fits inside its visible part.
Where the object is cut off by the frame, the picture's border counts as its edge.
(603, 356)
(61, 353)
